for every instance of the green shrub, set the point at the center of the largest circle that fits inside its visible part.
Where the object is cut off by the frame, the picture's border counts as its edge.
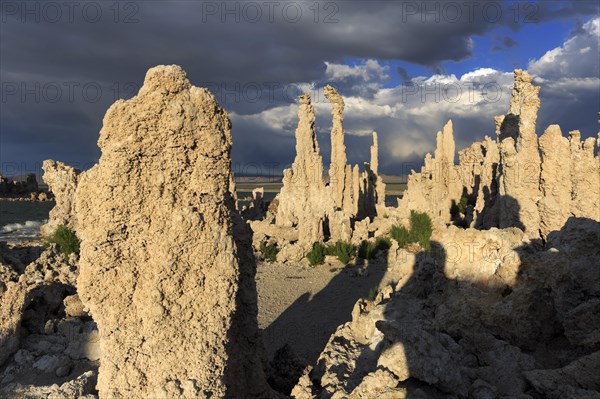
(372, 294)
(400, 234)
(367, 249)
(316, 256)
(344, 251)
(458, 211)
(269, 251)
(383, 243)
(66, 239)
(421, 229)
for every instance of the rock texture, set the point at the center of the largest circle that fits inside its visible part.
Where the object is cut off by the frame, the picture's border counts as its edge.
(62, 181)
(520, 159)
(438, 184)
(303, 201)
(166, 279)
(40, 287)
(339, 170)
(585, 178)
(505, 182)
(555, 181)
(45, 351)
(484, 314)
(309, 207)
(379, 184)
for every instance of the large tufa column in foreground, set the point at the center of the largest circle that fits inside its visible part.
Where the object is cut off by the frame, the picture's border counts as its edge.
(168, 283)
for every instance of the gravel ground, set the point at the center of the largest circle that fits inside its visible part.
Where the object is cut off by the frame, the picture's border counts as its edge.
(303, 306)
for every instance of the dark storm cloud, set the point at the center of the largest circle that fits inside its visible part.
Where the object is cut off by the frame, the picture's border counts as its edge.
(504, 43)
(403, 73)
(250, 65)
(508, 42)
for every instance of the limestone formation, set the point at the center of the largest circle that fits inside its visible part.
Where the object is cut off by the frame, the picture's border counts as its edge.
(520, 159)
(555, 181)
(438, 184)
(41, 286)
(314, 209)
(486, 302)
(374, 168)
(578, 379)
(165, 278)
(584, 177)
(62, 181)
(339, 168)
(505, 183)
(303, 202)
(488, 186)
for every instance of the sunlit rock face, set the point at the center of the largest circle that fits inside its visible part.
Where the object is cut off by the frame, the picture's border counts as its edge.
(162, 273)
(62, 181)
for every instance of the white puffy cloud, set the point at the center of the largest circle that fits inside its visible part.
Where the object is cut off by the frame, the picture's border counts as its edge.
(369, 71)
(576, 58)
(408, 116)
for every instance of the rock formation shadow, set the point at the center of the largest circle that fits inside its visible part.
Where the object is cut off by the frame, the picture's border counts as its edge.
(547, 325)
(307, 324)
(243, 335)
(502, 213)
(529, 329)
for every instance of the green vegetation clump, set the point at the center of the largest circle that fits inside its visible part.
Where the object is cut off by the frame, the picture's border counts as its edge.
(421, 229)
(372, 294)
(401, 234)
(367, 249)
(383, 243)
(458, 210)
(343, 250)
(269, 251)
(66, 239)
(316, 256)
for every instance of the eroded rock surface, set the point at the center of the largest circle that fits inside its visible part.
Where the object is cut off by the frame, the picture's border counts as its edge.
(434, 189)
(62, 181)
(165, 278)
(506, 182)
(309, 207)
(484, 314)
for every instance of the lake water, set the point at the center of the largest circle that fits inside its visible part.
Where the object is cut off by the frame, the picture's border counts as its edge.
(21, 220)
(390, 200)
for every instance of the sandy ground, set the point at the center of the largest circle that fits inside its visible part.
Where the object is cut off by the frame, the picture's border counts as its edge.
(303, 306)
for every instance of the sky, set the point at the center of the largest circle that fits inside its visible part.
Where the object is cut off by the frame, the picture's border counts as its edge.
(404, 69)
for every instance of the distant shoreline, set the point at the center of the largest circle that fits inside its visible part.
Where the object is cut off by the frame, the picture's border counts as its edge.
(21, 199)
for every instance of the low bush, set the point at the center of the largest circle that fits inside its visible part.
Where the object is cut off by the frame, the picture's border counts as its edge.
(400, 234)
(383, 243)
(372, 294)
(66, 239)
(269, 251)
(367, 249)
(421, 229)
(343, 250)
(316, 256)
